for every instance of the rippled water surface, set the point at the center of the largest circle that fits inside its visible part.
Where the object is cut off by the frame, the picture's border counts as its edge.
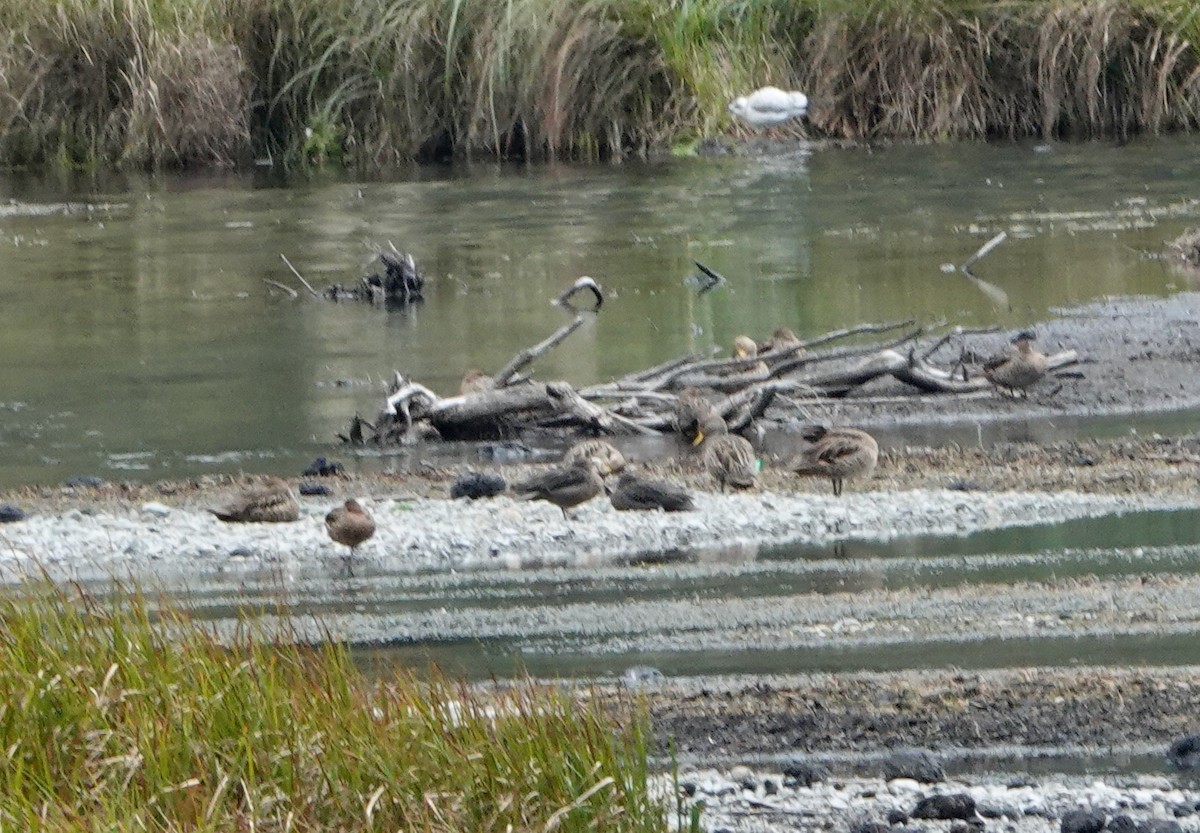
(140, 340)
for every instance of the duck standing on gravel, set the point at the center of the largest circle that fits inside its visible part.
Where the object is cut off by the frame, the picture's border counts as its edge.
(1018, 370)
(272, 502)
(607, 457)
(349, 525)
(566, 487)
(728, 458)
(636, 492)
(837, 453)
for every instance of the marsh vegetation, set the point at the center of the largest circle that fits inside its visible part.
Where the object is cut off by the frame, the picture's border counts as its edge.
(124, 715)
(146, 83)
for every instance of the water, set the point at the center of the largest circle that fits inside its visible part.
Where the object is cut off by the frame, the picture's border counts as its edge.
(140, 341)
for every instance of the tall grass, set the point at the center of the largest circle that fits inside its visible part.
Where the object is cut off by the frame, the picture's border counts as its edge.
(111, 719)
(148, 83)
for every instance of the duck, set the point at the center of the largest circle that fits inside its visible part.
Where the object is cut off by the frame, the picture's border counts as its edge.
(837, 453)
(768, 106)
(272, 502)
(608, 458)
(474, 381)
(566, 486)
(783, 338)
(728, 458)
(744, 347)
(349, 525)
(692, 410)
(1017, 370)
(636, 492)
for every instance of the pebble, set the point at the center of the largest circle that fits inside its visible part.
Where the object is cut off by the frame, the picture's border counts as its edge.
(11, 514)
(158, 510)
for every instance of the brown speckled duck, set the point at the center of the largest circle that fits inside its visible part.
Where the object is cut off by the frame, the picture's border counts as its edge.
(782, 338)
(349, 525)
(272, 502)
(636, 492)
(1018, 370)
(692, 410)
(728, 458)
(566, 486)
(608, 458)
(837, 453)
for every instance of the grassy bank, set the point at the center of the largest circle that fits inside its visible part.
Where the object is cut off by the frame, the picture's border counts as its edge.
(369, 82)
(106, 724)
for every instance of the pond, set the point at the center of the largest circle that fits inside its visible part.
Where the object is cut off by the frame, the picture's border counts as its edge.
(141, 342)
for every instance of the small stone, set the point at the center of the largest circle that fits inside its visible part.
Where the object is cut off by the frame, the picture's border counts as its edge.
(804, 773)
(743, 775)
(970, 826)
(1182, 810)
(310, 489)
(1082, 821)
(11, 514)
(952, 806)
(87, 481)
(1122, 824)
(158, 510)
(641, 676)
(770, 786)
(870, 827)
(897, 816)
(688, 788)
(1019, 781)
(918, 765)
(1185, 752)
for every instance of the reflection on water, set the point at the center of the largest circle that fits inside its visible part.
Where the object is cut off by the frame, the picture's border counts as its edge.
(141, 341)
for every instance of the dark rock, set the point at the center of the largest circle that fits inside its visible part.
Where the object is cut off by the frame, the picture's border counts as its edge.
(870, 827)
(970, 826)
(897, 816)
(1018, 781)
(770, 786)
(953, 806)
(321, 467)
(1185, 752)
(87, 481)
(1122, 824)
(474, 485)
(991, 810)
(963, 486)
(688, 788)
(1082, 821)
(10, 514)
(804, 773)
(1159, 826)
(918, 765)
(1183, 810)
(310, 489)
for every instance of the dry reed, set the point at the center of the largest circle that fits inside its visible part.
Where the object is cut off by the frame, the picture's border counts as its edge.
(148, 83)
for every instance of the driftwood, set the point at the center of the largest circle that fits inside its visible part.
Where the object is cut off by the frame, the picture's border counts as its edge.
(741, 390)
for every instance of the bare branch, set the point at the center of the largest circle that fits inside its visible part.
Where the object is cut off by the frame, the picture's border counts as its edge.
(300, 277)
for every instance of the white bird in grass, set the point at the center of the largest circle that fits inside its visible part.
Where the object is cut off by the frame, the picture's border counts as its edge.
(768, 106)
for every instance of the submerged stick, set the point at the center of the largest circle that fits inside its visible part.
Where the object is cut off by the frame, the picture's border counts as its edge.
(300, 277)
(284, 287)
(983, 252)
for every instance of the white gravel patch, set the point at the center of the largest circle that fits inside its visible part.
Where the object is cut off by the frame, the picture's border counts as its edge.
(744, 801)
(155, 540)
